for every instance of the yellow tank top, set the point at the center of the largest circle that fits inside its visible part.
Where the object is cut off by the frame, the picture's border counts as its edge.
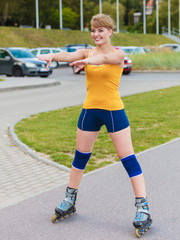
(103, 87)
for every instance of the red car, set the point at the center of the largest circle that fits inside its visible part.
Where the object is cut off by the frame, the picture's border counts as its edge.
(127, 65)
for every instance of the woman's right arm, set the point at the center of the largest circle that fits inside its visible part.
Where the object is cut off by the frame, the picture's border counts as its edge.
(64, 56)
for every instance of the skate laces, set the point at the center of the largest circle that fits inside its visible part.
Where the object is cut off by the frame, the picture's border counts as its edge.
(140, 216)
(64, 205)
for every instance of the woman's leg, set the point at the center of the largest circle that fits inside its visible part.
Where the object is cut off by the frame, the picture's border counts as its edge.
(123, 145)
(85, 143)
(84, 146)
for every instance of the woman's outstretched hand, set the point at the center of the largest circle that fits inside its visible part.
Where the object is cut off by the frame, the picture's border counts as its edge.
(80, 64)
(47, 58)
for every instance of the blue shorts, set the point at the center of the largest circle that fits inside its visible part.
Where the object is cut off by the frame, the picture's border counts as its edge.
(93, 119)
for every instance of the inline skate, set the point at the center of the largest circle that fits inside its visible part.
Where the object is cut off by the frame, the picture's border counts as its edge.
(67, 207)
(142, 221)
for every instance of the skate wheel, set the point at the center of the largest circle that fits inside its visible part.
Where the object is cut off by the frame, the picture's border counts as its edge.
(54, 218)
(138, 233)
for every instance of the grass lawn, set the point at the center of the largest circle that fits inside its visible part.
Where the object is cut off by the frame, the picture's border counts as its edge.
(156, 61)
(154, 119)
(32, 38)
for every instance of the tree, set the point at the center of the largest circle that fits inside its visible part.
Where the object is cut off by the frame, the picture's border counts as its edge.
(163, 16)
(7, 9)
(25, 15)
(70, 19)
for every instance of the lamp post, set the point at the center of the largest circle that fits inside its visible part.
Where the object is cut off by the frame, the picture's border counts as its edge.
(37, 14)
(60, 14)
(81, 10)
(100, 6)
(117, 15)
(157, 17)
(144, 16)
(169, 17)
(179, 17)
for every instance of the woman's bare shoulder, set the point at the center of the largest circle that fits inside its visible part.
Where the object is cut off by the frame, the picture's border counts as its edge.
(119, 51)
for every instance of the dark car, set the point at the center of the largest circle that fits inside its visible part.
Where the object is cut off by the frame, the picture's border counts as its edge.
(20, 62)
(126, 70)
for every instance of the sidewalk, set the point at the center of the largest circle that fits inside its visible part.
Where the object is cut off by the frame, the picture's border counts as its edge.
(22, 176)
(105, 204)
(20, 83)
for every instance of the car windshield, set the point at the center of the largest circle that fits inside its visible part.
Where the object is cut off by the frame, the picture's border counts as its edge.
(127, 50)
(21, 53)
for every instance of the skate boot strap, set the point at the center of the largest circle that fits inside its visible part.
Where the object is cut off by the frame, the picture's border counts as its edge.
(70, 195)
(141, 202)
(145, 211)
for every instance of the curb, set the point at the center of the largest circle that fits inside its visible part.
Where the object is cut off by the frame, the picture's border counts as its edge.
(155, 71)
(31, 152)
(9, 89)
(35, 155)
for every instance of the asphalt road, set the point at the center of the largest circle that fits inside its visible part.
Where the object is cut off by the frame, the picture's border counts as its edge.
(105, 201)
(105, 205)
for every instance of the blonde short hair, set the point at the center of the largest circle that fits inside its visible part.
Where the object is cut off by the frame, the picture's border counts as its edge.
(102, 20)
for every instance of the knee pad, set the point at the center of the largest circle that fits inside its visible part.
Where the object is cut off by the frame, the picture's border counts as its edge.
(80, 160)
(131, 165)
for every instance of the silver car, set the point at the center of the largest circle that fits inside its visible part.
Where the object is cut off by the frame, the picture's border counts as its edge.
(173, 46)
(46, 50)
(133, 50)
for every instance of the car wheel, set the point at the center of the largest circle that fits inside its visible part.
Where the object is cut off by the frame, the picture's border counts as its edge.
(45, 76)
(56, 64)
(126, 73)
(74, 68)
(17, 72)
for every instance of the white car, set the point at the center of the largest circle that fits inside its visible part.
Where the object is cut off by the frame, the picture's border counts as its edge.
(133, 50)
(46, 50)
(175, 47)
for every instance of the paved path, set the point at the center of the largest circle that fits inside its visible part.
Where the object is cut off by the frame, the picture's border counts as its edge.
(23, 177)
(105, 206)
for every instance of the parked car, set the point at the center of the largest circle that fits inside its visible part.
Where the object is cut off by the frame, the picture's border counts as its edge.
(132, 50)
(173, 46)
(21, 62)
(74, 47)
(127, 65)
(46, 50)
(126, 70)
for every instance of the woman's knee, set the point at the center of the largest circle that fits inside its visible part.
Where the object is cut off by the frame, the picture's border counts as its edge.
(131, 165)
(81, 159)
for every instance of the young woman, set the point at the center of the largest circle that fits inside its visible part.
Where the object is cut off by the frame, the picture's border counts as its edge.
(103, 106)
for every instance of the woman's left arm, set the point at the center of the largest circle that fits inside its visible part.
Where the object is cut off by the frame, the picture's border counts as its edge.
(116, 57)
